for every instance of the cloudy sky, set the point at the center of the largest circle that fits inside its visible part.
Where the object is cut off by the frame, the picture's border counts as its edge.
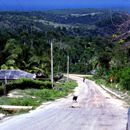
(54, 4)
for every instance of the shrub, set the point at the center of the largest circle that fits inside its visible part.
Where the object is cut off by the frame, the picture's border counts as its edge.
(1, 90)
(122, 76)
(125, 78)
(25, 83)
(34, 97)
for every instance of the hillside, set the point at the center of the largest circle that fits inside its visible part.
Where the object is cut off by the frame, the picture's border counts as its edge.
(73, 22)
(85, 35)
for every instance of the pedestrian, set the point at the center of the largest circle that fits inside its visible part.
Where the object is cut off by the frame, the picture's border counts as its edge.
(83, 79)
(75, 97)
(111, 79)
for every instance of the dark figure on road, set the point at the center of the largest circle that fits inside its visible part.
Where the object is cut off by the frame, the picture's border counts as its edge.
(75, 98)
(84, 79)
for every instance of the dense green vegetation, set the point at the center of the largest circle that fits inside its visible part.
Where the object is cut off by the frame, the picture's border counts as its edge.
(25, 83)
(113, 66)
(34, 97)
(87, 36)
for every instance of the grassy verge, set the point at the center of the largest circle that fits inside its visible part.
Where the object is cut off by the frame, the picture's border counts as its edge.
(112, 86)
(101, 81)
(34, 97)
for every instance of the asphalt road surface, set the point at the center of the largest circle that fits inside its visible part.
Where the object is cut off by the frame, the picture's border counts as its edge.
(95, 110)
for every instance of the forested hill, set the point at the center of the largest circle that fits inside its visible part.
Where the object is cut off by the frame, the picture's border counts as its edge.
(72, 22)
(85, 35)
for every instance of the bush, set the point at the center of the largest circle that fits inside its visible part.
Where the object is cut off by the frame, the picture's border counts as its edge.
(125, 78)
(1, 90)
(34, 97)
(122, 76)
(25, 83)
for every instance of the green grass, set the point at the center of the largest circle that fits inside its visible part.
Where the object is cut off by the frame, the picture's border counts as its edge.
(101, 81)
(113, 86)
(25, 83)
(34, 97)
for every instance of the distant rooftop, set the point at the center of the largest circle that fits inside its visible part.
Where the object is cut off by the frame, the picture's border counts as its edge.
(15, 74)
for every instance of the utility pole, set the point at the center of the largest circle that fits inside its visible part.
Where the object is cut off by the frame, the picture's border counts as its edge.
(5, 82)
(68, 67)
(52, 64)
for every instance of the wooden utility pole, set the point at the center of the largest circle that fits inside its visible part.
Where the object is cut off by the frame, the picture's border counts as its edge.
(68, 68)
(52, 64)
(5, 82)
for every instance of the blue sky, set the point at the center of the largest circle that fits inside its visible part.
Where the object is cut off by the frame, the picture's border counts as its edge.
(59, 4)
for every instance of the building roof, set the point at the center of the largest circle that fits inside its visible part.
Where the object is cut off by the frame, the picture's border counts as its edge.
(15, 74)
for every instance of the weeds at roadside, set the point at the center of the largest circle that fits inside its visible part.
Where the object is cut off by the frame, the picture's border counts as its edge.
(113, 86)
(34, 97)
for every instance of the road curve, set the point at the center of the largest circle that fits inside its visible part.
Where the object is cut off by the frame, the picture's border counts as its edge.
(95, 110)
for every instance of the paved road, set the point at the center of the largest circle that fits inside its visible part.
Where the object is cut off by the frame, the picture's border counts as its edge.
(95, 110)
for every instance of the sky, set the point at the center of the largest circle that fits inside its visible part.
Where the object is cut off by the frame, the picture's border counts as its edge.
(60, 4)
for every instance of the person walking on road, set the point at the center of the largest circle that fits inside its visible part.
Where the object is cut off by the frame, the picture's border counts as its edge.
(83, 79)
